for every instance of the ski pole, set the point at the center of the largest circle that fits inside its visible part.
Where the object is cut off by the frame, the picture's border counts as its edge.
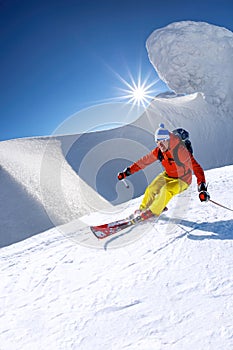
(220, 205)
(125, 183)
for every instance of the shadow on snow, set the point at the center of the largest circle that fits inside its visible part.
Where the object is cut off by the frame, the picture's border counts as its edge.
(218, 229)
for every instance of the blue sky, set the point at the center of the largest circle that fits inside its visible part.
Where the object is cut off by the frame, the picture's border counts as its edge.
(59, 57)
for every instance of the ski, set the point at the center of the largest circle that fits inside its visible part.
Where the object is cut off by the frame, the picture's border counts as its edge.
(105, 230)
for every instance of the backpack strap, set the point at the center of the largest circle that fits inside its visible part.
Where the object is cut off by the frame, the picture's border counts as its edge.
(175, 155)
(176, 158)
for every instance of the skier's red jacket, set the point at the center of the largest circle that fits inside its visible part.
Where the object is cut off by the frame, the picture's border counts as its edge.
(182, 171)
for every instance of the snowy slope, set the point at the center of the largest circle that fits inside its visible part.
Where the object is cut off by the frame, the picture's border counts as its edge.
(169, 290)
(165, 285)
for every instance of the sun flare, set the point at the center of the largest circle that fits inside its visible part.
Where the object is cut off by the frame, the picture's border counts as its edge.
(138, 92)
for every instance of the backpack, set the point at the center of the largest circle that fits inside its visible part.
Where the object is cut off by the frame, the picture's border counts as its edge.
(184, 139)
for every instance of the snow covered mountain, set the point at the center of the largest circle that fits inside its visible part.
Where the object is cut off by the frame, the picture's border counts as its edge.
(165, 285)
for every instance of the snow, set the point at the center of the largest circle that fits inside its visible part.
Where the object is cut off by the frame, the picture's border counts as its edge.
(195, 56)
(164, 285)
(165, 290)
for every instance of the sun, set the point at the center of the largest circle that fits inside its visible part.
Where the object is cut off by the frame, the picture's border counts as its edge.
(138, 92)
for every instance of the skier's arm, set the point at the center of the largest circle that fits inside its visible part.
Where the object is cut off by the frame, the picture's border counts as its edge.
(198, 171)
(140, 164)
(144, 161)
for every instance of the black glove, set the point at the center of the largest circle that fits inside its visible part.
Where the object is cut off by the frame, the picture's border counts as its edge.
(203, 194)
(124, 174)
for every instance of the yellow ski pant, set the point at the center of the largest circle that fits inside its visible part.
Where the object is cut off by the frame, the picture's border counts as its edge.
(160, 192)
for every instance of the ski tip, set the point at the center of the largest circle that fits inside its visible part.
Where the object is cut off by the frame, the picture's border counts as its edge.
(97, 233)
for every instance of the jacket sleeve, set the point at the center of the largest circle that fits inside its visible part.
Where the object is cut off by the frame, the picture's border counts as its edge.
(198, 171)
(144, 161)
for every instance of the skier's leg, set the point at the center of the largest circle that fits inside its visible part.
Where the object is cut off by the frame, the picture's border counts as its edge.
(152, 190)
(171, 188)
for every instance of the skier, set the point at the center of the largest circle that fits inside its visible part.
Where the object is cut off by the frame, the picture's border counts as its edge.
(178, 163)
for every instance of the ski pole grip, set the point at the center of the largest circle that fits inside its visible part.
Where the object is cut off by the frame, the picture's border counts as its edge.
(121, 176)
(124, 173)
